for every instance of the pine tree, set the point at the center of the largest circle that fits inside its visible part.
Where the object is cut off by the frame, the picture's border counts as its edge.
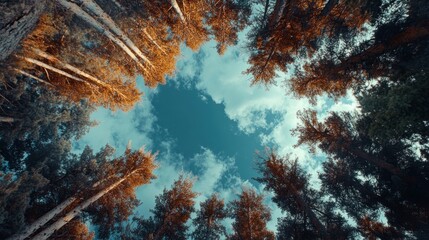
(172, 210)
(308, 216)
(207, 223)
(251, 217)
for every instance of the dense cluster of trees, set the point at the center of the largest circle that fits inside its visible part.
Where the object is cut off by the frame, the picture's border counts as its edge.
(86, 53)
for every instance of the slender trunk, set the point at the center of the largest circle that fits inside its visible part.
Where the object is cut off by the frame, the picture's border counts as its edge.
(409, 35)
(313, 218)
(54, 69)
(94, 23)
(249, 221)
(177, 9)
(257, 78)
(45, 234)
(153, 41)
(40, 222)
(279, 8)
(328, 7)
(118, 5)
(77, 71)
(108, 21)
(264, 17)
(7, 119)
(376, 161)
(33, 77)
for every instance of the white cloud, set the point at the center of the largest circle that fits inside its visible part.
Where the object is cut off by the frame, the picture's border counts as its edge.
(117, 128)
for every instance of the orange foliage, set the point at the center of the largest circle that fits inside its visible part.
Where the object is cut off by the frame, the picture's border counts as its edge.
(300, 25)
(251, 217)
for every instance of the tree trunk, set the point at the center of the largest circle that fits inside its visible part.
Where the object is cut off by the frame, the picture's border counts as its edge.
(7, 119)
(17, 20)
(177, 9)
(45, 234)
(118, 5)
(94, 23)
(328, 7)
(40, 222)
(54, 69)
(376, 161)
(313, 218)
(279, 8)
(32, 76)
(108, 21)
(413, 33)
(77, 71)
(153, 41)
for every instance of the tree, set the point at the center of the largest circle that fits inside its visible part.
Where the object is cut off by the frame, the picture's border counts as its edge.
(396, 112)
(251, 217)
(308, 216)
(226, 18)
(395, 49)
(294, 28)
(375, 230)
(207, 223)
(335, 135)
(172, 210)
(128, 171)
(15, 197)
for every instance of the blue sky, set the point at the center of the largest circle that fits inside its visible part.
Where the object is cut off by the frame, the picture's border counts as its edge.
(207, 122)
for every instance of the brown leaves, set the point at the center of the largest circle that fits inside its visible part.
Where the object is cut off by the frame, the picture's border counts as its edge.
(251, 217)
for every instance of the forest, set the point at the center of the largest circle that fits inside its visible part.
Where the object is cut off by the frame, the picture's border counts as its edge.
(62, 60)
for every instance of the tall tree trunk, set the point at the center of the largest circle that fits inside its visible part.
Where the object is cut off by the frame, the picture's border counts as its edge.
(328, 7)
(108, 21)
(279, 8)
(118, 5)
(7, 119)
(54, 69)
(302, 204)
(177, 9)
(249, 222)
(40, 222)
(78, 71)
(33, 77)
(153, 41)
(45, 234)
(411, 34)
(94, 23)
(376, 161)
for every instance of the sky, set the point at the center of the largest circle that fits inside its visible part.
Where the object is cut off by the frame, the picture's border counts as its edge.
(207, 122)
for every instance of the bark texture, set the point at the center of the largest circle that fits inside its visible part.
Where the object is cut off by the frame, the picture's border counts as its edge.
(17, 20)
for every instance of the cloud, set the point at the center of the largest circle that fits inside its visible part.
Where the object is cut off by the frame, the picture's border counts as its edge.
(117, 128)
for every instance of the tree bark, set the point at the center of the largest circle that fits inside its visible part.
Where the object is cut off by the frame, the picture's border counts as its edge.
(33, 77)
(328, 7)
(7, 119)
(302, 204)
(17, 20)
(77, 71)
(94, 23)
(45, 234)
(411, 34)
(177, 9)
(153, 41)
(108, 21)
(376, 161)
(54, 69)
(40, 222)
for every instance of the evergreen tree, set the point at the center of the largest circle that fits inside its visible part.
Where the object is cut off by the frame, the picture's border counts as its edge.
(172, 210)
(207, 223)
(308, 216)
(251, 217)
